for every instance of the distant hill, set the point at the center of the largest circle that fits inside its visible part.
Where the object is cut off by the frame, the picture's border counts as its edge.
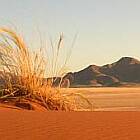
(125, 70)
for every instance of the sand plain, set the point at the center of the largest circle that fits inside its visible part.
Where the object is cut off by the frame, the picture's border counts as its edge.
(110, 98)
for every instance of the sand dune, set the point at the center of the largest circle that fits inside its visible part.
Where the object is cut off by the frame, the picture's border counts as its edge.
(16, 123)
(27, 125)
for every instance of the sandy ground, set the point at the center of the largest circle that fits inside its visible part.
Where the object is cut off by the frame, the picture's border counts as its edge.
(28, 125)
(102, 124)
(110, 99)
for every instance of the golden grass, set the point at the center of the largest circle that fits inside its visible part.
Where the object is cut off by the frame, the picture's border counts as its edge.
(22, 75)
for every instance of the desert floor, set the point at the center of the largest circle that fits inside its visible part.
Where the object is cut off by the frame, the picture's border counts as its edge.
(97, 125)
(110, 99)
(28, 125)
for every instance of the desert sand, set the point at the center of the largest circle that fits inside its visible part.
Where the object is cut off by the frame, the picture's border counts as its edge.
(28, 125)
(102, 124)
(110, 98)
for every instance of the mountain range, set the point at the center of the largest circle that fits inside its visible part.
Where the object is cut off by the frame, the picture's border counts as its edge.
(124, 71)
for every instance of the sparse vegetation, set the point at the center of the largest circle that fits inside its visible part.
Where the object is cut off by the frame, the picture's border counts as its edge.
(22, 75)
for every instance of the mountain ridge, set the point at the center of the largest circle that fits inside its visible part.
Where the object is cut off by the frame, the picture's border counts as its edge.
(126, 69)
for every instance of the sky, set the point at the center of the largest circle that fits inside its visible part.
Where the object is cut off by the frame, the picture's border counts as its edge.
(106, 29)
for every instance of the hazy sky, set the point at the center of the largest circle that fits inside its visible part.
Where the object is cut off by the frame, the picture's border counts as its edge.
(107, 29)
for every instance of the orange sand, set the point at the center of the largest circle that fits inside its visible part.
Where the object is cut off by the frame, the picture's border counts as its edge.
(28, 125)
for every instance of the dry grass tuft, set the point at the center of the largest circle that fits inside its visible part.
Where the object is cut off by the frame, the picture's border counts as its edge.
(22, 75)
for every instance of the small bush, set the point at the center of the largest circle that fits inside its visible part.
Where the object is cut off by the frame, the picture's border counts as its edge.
(22, 75)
